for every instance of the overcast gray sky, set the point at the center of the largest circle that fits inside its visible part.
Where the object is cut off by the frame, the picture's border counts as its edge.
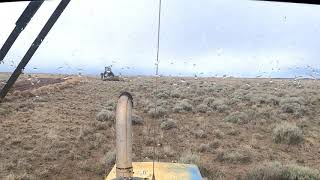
(207, 37)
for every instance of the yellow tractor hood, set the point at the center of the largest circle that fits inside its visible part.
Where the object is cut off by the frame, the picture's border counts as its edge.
(163, 171)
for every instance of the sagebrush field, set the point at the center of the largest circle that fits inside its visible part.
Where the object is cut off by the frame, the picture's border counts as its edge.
(63, 127)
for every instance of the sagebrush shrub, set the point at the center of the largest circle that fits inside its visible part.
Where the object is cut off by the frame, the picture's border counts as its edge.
(160, 112)
(109, 159)
(137, 120)
(4, 110)
(287, 133)
(202, 108)
(175, 93)
(237, 157)
(190, 158)
(293, 105)
(105, 115)
(237, 117)
(278, 171)
(183, 106)
(168, 124)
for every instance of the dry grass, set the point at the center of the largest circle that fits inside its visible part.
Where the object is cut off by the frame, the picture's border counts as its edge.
(212, 174)
(237, 117)
(242, 155)
(159, 112)
(109, 160)
(218, 134)
(105, 115)
(190, 158)
(98, 125)
(168, 151)
(202, 108)
(183, 106)
(225, 126)
(278, 171)
(137, 120)
(204, 148)
(199, 133)
(24, 176)
(111, 106)
(176, 93)
(5, 110)
(168, 124)
(293, 105)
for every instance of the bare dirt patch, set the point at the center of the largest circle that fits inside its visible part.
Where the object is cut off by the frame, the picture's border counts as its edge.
(29, 82)
(39, 82)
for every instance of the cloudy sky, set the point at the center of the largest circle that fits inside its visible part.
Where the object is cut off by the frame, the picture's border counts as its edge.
(207, 37)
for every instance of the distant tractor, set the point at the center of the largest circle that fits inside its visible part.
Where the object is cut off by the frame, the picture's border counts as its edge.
(108, 75)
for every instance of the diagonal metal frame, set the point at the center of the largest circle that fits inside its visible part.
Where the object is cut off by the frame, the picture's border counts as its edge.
(5, 1)
(21, 24)
(35, 45)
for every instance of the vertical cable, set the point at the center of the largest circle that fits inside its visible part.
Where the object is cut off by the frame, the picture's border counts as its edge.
(158, 40)
(156, 93)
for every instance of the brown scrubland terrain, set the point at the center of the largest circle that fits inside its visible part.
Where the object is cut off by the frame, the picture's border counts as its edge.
(62, 127)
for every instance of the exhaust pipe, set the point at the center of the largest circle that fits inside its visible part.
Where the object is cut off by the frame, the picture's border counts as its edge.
(124, 136)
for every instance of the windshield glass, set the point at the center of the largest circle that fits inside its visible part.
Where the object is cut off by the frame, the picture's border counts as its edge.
(237, 93)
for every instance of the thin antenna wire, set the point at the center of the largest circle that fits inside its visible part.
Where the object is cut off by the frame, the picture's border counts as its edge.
(155, 101)
(158, 42)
